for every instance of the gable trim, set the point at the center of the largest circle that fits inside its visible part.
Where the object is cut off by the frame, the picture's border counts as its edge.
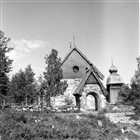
(85, 78)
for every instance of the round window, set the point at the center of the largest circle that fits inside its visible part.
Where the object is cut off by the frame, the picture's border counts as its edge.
(75, 69)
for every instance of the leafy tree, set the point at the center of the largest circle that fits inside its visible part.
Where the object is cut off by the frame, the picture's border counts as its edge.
(53, 76)
(5, 66)
(131, 95)
(124, 95)
(136, 77)
(23, 86)
(135, 90)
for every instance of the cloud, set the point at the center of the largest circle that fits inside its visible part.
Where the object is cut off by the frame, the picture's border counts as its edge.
(26, 45)
(14, 55)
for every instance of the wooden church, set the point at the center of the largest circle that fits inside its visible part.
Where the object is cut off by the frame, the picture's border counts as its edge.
(84, 80)
(85, 87)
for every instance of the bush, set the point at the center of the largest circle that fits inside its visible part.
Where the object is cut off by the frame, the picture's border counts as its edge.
(83, 133)
(40, 126)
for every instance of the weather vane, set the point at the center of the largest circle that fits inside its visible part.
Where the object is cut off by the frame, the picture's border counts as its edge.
(73, 40)
(112, 61)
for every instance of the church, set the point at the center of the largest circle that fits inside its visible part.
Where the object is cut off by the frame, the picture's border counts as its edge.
(84, 81)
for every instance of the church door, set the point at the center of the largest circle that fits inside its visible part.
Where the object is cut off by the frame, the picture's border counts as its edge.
(93, 102)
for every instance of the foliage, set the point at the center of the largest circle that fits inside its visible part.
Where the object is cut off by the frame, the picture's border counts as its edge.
(135, 89)
(131, 95)
(53, 76)
(5, 65)
(41, 90)
(41, 125)
(135, 97)
(23, 86)
(124, 95)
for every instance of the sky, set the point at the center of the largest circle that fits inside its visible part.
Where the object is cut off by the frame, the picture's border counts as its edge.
(103, 30)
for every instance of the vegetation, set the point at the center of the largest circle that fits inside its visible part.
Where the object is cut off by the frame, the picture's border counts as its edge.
(131, 95)
(5, 67)
(53, 76)
(42, 126)
(41, 86)
(26, 125)
(23, 87)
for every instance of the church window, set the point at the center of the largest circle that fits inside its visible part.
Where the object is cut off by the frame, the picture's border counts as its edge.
(75, 69)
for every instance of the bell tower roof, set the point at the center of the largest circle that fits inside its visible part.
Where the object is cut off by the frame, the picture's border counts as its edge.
(114, 77)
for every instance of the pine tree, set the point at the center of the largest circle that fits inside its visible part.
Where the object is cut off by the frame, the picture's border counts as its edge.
(23, 86)
(5, 66)
(17, 87)
(30, 85)
(53, 76)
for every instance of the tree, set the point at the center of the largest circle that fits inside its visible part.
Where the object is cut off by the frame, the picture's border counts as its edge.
(131, 95)
(41, 90)
(5, 66)
(23, 86)
(30, 85)
(124, 95)
(135, 92)
(53, 76)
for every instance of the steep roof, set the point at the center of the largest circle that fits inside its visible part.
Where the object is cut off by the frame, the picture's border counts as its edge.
(84, 80)
(85, 58)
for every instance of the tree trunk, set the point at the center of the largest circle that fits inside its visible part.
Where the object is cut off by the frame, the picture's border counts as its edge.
(48, 102)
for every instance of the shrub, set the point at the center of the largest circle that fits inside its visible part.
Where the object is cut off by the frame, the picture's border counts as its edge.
(40, 126)
(83, 133)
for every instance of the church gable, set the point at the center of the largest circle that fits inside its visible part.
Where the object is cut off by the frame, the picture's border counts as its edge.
(91, 80)
(75, 65)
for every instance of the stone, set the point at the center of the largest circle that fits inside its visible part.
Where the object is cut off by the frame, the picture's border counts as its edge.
(115, 108)
(100, 123)
(78, 117)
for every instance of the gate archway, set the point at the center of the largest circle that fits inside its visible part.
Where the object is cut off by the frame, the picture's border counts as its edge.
(96, 100)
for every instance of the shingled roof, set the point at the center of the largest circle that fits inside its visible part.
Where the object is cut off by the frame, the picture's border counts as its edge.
(83, 82)
(100, 75)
